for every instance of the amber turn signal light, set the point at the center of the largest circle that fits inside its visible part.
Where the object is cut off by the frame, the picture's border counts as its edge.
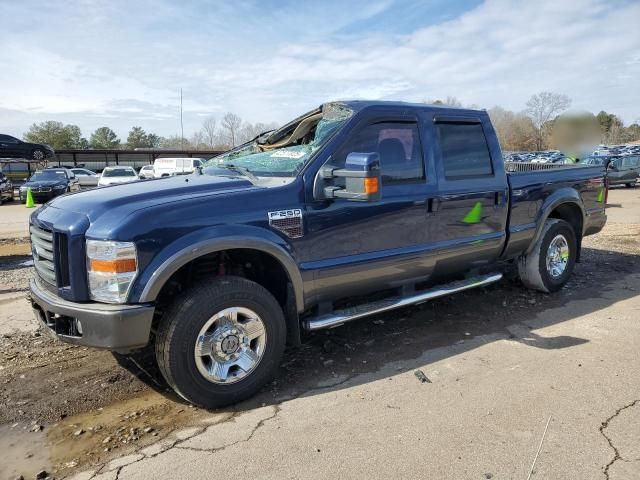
(121, 265)
(371, 185)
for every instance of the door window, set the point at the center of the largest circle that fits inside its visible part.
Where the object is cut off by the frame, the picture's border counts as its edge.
(465, 153)
(399, 147)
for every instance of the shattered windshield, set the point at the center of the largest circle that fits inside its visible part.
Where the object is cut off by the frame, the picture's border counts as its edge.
(282, 153)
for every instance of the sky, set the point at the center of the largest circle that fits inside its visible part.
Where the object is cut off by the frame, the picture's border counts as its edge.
(121, 63)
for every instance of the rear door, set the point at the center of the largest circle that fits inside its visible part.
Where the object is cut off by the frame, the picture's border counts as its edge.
(471, 204)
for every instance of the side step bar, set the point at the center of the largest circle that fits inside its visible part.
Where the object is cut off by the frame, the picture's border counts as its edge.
(340, 317)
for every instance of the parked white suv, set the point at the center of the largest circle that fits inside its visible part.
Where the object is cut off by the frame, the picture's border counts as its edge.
(168, 167)
(116, 175)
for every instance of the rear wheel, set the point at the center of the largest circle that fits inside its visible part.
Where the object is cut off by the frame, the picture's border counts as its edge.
(549, 265)
(630, 185)
(220, 342)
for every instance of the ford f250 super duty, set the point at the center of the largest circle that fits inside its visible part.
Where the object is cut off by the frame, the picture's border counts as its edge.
(218, 270)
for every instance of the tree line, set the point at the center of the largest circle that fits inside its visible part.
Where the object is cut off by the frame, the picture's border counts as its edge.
(230, 132)
(545, 123)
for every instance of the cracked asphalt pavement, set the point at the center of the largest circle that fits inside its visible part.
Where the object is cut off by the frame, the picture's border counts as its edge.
(482, 415)
(461, 388)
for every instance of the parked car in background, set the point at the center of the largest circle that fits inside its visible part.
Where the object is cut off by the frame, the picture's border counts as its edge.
(146, 172)
(117, 175)
(49, 183)
(621, 170)
(11, 147)
(86, 177)
(168, 167)
(6, 188)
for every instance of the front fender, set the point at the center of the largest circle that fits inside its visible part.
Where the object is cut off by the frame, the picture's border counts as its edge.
(171, 258)
(553, 201)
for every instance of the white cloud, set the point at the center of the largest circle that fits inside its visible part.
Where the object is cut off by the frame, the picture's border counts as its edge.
(266, 64)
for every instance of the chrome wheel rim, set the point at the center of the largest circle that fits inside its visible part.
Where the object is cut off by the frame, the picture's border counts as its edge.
(557, 256)
(38, 155)
(230, 345)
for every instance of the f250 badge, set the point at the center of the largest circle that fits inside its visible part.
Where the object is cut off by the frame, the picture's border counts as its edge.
(288, 222)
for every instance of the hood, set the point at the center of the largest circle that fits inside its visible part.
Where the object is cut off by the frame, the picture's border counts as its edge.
(124, 199)
(44, 183)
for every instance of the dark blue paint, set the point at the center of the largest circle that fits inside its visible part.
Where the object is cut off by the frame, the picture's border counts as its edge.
(414, 233)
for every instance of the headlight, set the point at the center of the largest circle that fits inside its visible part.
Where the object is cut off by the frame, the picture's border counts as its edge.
(112, 267)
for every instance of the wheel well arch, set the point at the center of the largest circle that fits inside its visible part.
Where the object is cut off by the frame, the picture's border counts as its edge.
(571, 213)
(254, 264)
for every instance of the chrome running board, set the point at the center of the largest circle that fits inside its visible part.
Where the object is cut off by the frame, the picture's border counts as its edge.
(339, 317)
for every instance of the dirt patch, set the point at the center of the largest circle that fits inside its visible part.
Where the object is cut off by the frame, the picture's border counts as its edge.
(13, 248)
(68, 389)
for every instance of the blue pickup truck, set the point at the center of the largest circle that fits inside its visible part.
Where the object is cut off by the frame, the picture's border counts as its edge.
(219, 270)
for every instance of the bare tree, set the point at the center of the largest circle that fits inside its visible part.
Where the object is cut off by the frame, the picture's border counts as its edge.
(515, 130)
(449, 101)
(541, 109)
(197, 141)
(209, 131)
(231, 123)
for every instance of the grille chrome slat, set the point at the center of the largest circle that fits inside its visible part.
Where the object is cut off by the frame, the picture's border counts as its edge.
(43, 254)
(42, 244)
(46, 275)
(43, 234)
(46, 254)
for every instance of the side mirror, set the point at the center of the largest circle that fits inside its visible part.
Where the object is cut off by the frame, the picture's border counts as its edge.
(361, 174)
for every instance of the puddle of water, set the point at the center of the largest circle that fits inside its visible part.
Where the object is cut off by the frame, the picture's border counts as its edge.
(23, 452)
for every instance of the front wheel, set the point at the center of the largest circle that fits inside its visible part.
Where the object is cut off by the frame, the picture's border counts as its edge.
(630, 185)
(549, 265)
(37, 154)
(221, 341)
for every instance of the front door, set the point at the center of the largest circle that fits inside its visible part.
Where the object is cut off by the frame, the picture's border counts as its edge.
(353, 247)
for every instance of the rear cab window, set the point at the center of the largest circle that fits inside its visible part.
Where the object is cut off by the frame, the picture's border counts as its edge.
(464, 150)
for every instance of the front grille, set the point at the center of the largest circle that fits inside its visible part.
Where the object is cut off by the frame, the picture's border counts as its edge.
(43, 256)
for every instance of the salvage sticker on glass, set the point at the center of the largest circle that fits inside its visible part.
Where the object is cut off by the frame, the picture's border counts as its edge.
(288, 154)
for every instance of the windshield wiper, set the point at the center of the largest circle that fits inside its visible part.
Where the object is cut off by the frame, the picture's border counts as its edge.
(241, 170)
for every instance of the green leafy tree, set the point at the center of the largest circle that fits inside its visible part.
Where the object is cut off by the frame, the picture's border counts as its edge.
(176, 142)
(138, 138)
(104, 137)
(154, 140)
(56, 135)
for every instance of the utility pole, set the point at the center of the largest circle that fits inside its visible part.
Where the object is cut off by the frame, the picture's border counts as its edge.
(181, 124)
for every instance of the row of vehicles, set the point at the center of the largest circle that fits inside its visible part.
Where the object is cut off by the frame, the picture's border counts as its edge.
(53, 181)
(622, 162)
(549, 156)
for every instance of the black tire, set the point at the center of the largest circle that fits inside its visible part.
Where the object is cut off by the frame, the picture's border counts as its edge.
(37, 154)
(532, 268)
(630, 185)
(179, 328)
